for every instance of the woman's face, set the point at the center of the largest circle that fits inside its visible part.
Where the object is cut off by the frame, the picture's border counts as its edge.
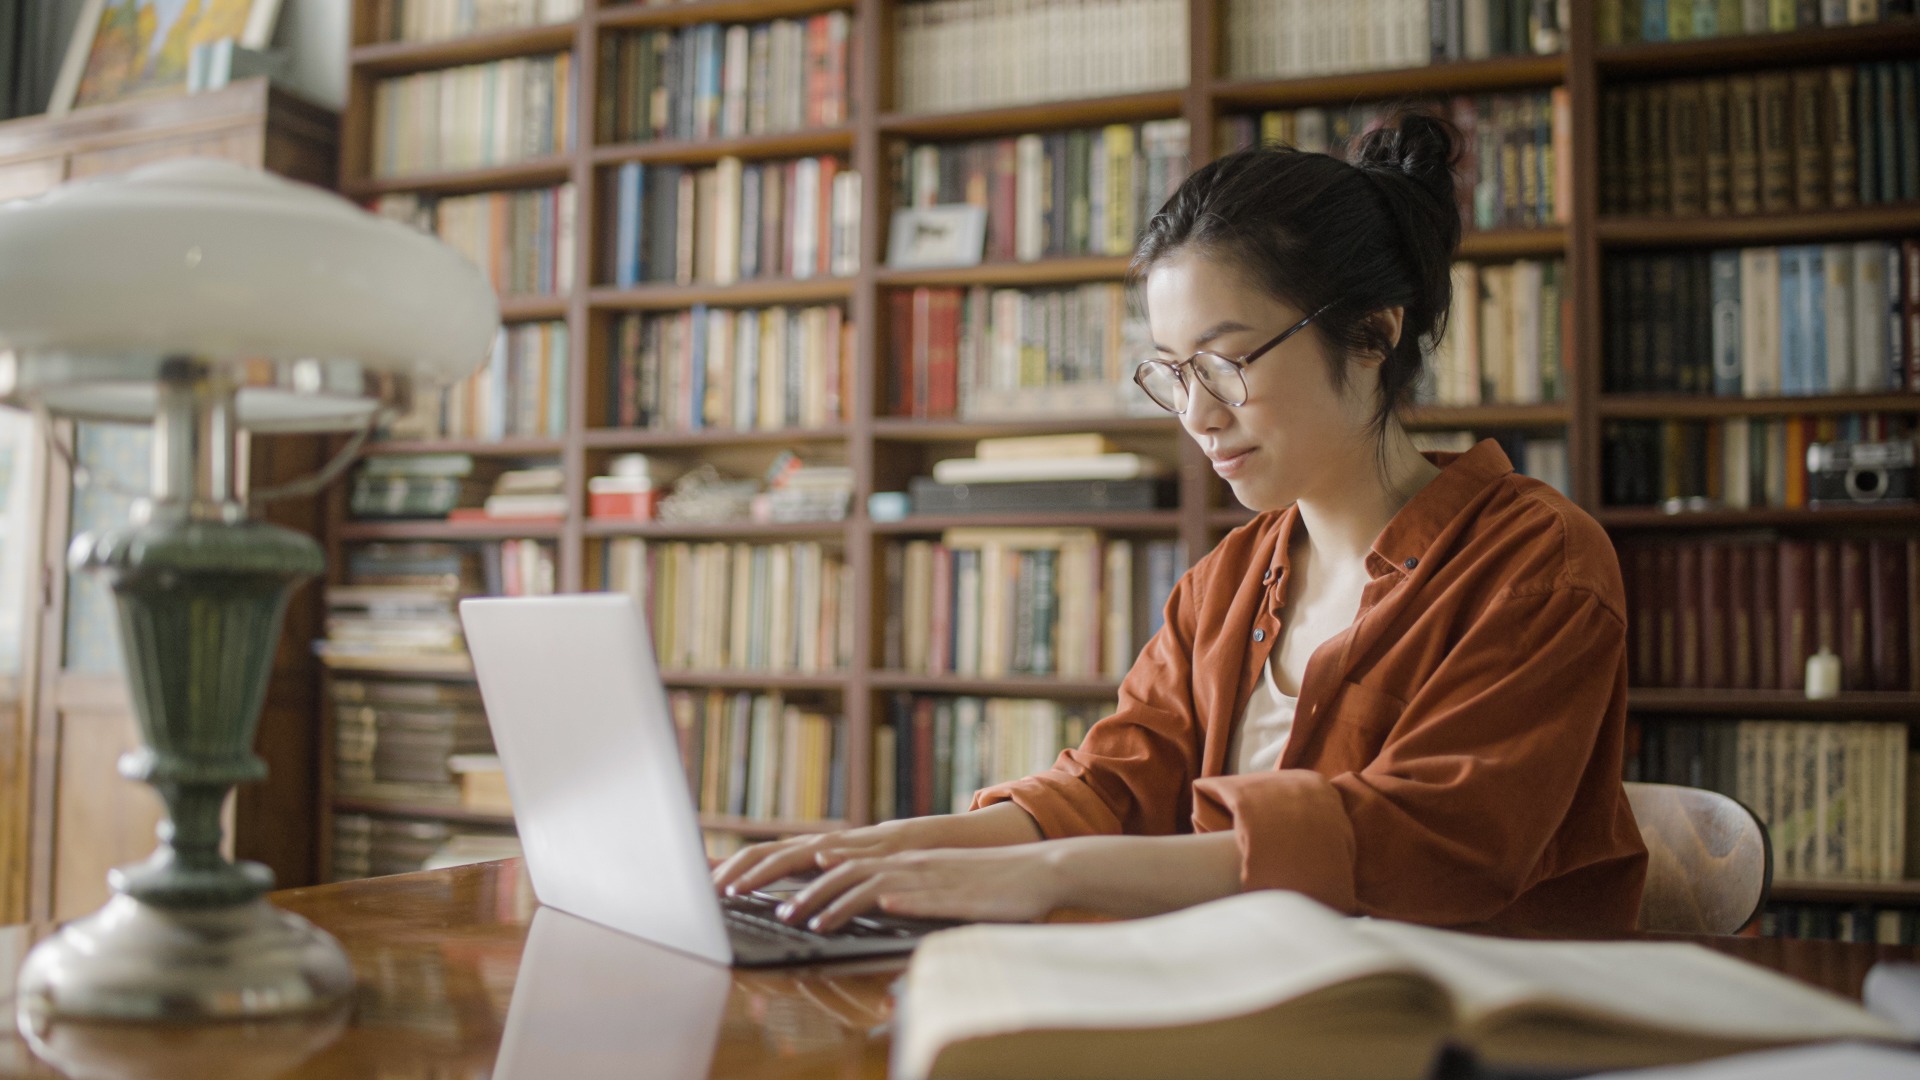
(1296, 430)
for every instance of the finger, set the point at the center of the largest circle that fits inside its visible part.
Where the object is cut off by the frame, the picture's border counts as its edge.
(861, 898)
(788, 858)
(822, 890)
(738, 863)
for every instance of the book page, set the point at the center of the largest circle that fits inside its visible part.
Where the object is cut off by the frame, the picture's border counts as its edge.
(1218, 960)
(1499, 985)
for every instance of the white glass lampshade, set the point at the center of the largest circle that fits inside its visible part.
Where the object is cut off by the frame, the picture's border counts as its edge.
(320, 312)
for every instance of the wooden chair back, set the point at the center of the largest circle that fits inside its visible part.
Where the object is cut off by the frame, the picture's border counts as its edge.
(1709, 861)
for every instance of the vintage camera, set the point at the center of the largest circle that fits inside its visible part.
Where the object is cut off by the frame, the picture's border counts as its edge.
(1852, 473)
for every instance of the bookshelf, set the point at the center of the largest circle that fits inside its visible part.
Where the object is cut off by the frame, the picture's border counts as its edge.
(885, 451)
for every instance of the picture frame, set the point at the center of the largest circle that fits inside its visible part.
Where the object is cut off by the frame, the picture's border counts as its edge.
(111, 56)
(929, 237)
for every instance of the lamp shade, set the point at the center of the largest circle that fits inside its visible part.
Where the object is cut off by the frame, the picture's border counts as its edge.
(315, 308)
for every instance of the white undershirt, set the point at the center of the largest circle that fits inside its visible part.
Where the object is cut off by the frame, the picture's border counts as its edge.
(1261, 735)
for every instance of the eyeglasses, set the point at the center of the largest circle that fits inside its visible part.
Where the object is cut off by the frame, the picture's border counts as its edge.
(1222, 376)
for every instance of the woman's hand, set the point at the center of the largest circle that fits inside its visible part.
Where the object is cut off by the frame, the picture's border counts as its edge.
(762, 864)
(1001, 884)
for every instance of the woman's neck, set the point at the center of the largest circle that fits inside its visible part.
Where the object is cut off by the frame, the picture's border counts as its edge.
(1354, 505)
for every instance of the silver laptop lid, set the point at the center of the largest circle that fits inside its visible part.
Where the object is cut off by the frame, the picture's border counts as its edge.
(593, 768)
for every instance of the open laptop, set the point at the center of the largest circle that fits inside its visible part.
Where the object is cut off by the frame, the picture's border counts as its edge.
(599, 794)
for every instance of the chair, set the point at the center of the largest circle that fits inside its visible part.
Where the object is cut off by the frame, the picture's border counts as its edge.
(1709, 861)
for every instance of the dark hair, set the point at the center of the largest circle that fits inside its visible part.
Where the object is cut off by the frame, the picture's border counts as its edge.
(1318, 232)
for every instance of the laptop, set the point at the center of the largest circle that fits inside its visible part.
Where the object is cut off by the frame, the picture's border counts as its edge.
(600, 796)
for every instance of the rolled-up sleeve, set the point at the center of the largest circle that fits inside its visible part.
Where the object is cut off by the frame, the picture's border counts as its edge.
(1134, 771)
(1451, 819)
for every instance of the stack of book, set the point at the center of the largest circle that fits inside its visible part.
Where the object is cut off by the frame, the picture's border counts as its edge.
(368, 846)
(520, 393)
(934, 752)
(519, 568)
(1505, 340)
(1738, 464)
(417, 485)
(712, 81)
(961, 54)
(995, 602)
(1001, 354)
(1624, 21)
(438, 20)
(526, 495)
(798, 491)
(734, 221)
(473, 117)
(1833, 795)
(1775, 142)
(522, 240)
(759, 756)
(1744, 614)
(1804, 319)
(397, 607)
(483, 783)
(394, 739)
(1290, 39)
(1513, 169)
(1063, 473)
(631, 488)
(740, 607)
(1086, 191)
(742, 369)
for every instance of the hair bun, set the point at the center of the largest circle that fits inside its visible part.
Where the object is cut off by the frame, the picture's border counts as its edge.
(1422, 146)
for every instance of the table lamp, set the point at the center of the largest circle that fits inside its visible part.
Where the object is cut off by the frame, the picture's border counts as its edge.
(204, 298)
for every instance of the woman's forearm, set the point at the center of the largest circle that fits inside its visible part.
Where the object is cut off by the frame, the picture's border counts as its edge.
(998, 825)
(1131, 876)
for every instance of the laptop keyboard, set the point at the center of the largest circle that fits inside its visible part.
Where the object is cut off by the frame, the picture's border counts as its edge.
(754, 915)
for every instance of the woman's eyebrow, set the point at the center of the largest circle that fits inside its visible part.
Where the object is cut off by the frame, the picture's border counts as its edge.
(1224, 326)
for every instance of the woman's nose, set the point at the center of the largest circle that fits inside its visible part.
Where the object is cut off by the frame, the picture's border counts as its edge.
(1204, 411)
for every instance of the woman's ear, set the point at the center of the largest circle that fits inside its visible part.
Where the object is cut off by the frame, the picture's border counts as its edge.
(1389, 322)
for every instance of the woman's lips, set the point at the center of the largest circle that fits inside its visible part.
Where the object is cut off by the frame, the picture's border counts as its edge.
(1229, 467)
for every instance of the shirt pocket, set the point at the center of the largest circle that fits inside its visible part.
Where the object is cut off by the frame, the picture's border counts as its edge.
(1353, 728)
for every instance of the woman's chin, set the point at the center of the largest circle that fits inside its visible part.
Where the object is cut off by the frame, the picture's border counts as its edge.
(1259, 497)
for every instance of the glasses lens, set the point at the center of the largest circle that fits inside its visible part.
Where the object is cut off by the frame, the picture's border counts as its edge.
(1162, 385)
(1222, 377)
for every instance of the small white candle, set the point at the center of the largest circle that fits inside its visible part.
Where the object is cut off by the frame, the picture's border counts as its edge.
(1823, 675)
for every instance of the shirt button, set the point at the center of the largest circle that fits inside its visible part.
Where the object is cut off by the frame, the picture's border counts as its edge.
(1411, 563)
(1259, 635)
(1266, 577)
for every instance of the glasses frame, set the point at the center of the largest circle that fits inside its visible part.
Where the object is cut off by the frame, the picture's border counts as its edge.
(1239, 364)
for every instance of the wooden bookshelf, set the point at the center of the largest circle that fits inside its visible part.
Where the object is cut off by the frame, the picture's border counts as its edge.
(880, 447)
(358, 531)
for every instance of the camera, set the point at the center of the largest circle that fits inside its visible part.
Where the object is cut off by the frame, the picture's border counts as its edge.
(1852, 473)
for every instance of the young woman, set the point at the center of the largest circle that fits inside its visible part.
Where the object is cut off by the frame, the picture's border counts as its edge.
(1401, 689)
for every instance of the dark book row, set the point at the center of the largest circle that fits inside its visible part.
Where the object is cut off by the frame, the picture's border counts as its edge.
(933, 752)
(1742, 463)
(714, 81)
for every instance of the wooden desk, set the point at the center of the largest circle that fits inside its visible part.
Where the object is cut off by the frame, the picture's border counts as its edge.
(438, 955)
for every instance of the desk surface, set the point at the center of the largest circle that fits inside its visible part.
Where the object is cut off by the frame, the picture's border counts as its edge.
(438, 955)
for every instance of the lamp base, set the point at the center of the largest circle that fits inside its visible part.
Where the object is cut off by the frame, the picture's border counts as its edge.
(137, 961)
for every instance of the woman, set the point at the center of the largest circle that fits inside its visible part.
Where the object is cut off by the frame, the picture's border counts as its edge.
(1401, 689)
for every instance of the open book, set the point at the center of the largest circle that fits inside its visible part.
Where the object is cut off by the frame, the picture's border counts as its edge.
(1274, 985)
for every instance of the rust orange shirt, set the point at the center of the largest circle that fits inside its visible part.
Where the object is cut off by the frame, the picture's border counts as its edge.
(1456, 751)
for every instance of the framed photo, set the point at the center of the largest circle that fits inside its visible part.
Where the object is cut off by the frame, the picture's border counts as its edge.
(125, 49)
(924, 237)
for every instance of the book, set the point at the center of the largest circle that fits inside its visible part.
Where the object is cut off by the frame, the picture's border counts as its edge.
(1209, 991)
(1094, 467)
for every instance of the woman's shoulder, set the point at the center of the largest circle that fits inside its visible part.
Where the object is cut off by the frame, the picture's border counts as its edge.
(1546, 542)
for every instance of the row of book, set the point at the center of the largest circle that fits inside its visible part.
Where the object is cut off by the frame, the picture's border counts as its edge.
(724, 368)
(1866, 923)
(1833, 795)
(1513, 170)
(1543, 458)
(395, 739)
(734, 221)
(1745, 614)
(712, 81)
(995, 602)
(1623, 21)
(1774, 142)
(935, 751)
(740, 607)
(1737, 464)
(760, 756)
(1798, 320)
(1074, 471)
(522, 240)
(418, 485)
(1294, 38)
(521, 392)
(438, 20)
(983, 353)
(397, 610)
(978, 54)
(1085, 191)
(1505, 340)
(473, 117)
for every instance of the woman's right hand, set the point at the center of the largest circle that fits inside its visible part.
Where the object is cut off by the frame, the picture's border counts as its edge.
(759, 865)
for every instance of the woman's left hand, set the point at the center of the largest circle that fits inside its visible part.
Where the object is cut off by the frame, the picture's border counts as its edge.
(1002, 884)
